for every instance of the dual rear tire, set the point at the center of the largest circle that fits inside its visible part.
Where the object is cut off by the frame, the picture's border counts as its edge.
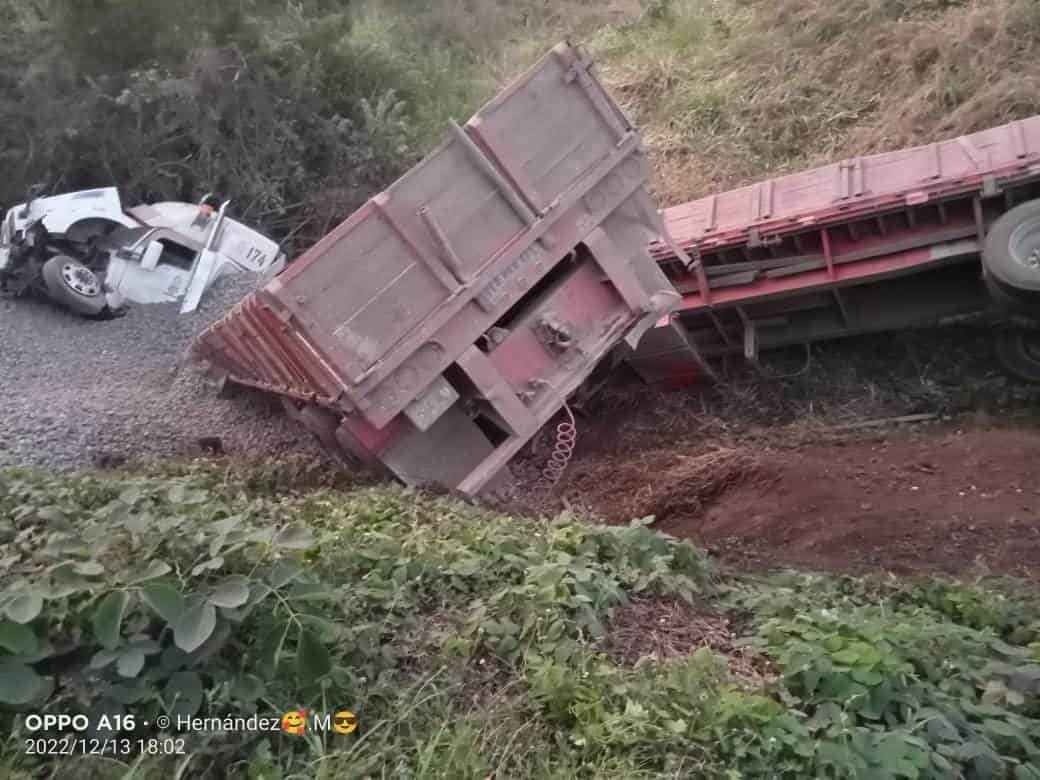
(1011, 261)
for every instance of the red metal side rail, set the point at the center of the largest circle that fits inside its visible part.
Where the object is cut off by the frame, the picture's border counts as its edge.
(867, 244)
(847, 192)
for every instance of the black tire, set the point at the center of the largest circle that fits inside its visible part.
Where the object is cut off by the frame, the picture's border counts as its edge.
(1019, 352)
(1011, 258)
(74, 286)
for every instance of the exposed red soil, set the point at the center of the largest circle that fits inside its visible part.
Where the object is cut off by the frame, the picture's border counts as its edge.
(931, 501)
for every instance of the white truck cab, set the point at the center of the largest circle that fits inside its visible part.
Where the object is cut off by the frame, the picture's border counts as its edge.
(88, 253)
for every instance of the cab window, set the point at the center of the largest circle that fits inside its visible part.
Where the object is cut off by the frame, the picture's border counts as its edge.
(176, 254)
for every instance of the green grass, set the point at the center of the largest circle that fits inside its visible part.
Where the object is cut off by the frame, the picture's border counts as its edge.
(472, 644)
(731, 92)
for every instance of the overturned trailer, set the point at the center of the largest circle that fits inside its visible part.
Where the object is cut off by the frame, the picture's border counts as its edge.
(877, 243)
(440, 326)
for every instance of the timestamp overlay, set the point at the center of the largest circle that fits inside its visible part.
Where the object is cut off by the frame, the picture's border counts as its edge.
(126, 735)
(119, 735)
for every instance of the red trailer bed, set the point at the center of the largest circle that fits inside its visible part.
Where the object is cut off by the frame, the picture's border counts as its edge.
(814, 254)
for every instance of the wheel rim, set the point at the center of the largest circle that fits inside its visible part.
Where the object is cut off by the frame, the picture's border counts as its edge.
(1024, 246)
(80, 279)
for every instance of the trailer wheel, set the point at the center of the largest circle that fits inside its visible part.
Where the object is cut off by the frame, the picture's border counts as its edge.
(1019, 352)
(1011, 257)
(74, 286)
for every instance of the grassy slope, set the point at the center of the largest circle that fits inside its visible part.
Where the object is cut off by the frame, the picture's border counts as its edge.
(730, 91)
(473, 645)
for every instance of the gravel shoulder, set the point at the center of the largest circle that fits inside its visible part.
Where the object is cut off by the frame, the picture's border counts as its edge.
(77, 392)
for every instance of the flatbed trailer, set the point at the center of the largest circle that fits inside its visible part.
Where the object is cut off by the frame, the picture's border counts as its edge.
(866, 244)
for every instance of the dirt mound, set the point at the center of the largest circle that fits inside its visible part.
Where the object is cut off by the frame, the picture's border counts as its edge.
(949, 501)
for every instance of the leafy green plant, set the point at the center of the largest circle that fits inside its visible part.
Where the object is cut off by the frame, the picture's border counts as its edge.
(944, 689)
(471, 644)
(148, 596)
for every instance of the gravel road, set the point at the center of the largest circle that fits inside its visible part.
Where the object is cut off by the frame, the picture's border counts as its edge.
(77, 392)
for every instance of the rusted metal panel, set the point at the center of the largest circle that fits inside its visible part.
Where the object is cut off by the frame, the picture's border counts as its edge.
(530, 222)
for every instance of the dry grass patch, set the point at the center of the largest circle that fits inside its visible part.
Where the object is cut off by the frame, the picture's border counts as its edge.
(731, 91)
(663, 628)
(664, 483)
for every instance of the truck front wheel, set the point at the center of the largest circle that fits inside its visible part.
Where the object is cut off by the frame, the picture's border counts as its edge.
(73, 285)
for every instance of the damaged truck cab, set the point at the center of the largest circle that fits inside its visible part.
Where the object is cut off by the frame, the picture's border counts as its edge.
(89, 254)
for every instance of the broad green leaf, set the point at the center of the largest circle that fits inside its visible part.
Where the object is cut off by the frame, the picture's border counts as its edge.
(248, 687)
(136, 522)
(1000, 728)
(867, 676)
(849, 656)
(130, 496)
(183, 694)
(294, 538)
(282, 573)
(208, 565)
(269, 649)
(173, 659)
(194, 627)
(89, 568)
(19, 683)
(942, 764)
(17, 638)
(312, 658)
(327, 630)
(231, 592)
(153, 570)
(131, 692)
(303, 591)
(131, 662)
(108, 617)
(180, 494)
(25, 607)
(939, 728)
(103, 658)
(64, 583)
(165, 599)
(226, 524)
(146, 645)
